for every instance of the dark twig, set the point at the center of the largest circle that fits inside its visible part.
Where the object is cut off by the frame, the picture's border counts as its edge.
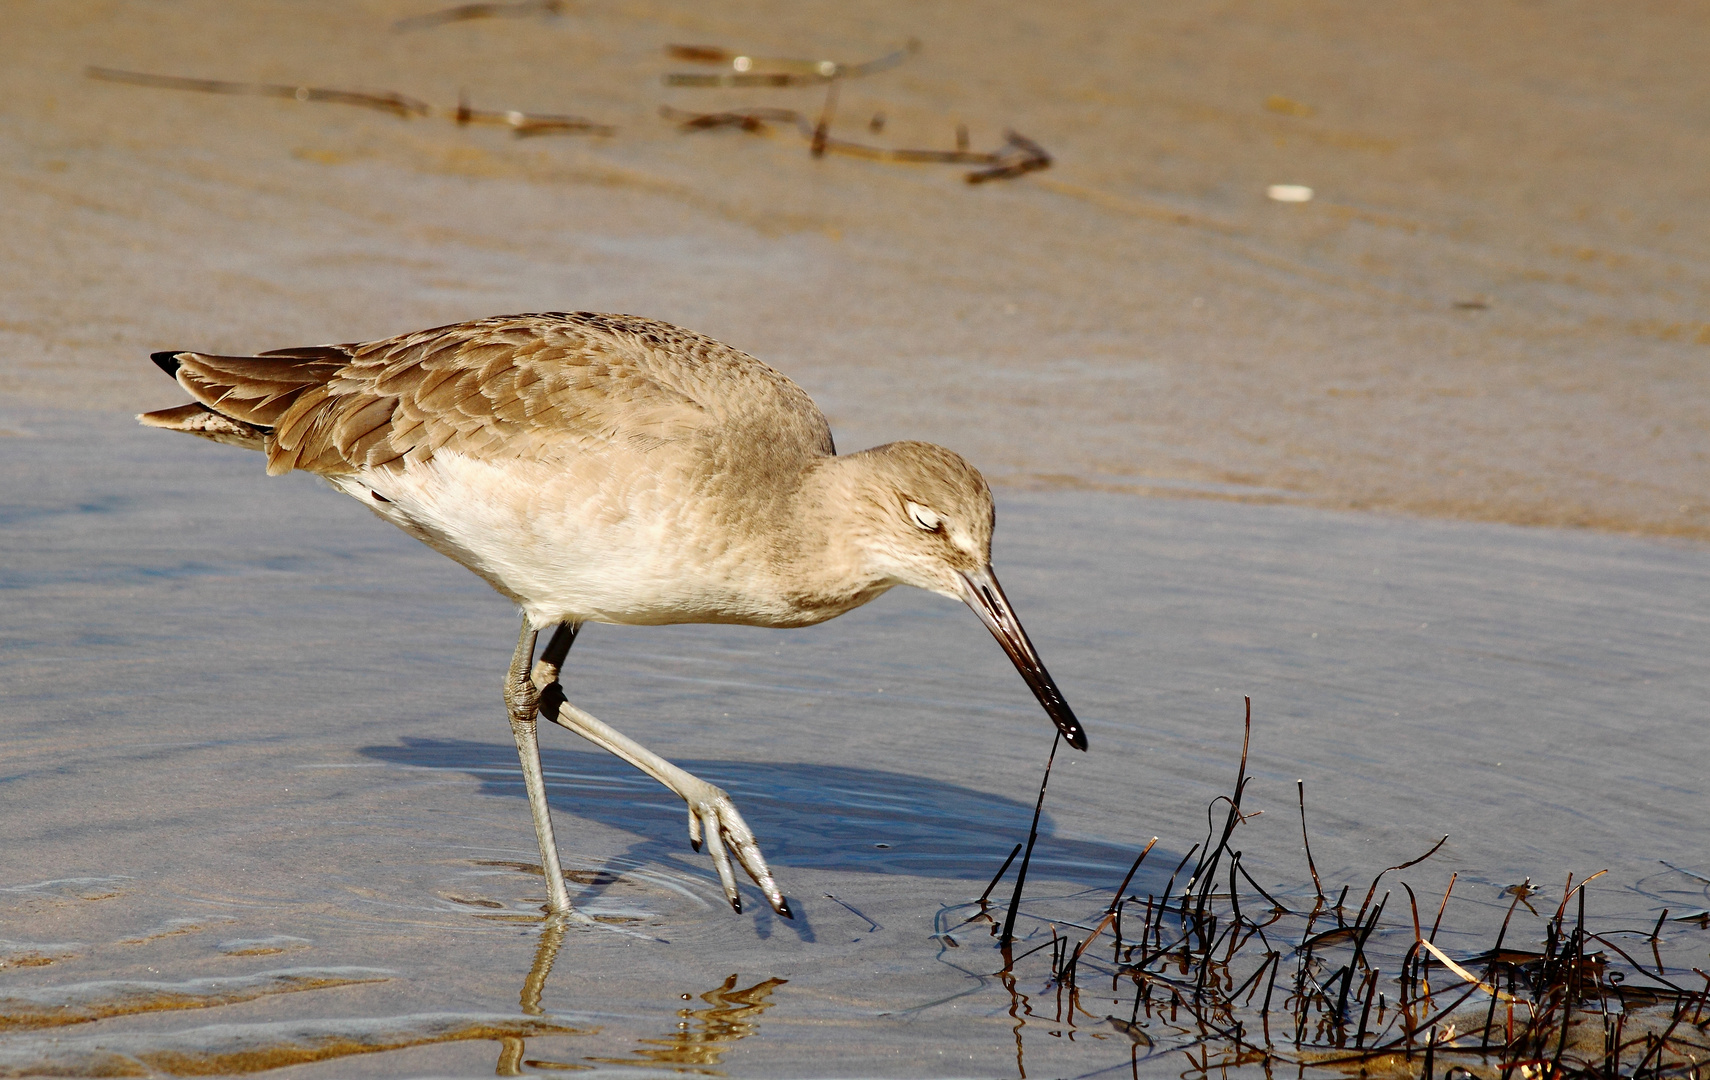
(1013, 852)
(522, 124)
(525, 125)
(822, 129)
(467, 12)
(1008, 935)
(1123, 888)
(1300, 787)
(1020, 155)
(1400, 866)
(752, 71)
(1442, 907)
(384, 101)
(1014, 158)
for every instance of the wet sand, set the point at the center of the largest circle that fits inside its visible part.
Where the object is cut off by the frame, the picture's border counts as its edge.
(253, 737)
(1140, 317)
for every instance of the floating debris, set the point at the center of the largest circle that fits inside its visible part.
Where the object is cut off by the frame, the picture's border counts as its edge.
(469, 12)
(529, 124)
(751, 71)
(1018, 155)
(384, 101)
(521, 123)
(1289, 193)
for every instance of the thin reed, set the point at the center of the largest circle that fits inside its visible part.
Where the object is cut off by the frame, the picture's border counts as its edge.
(1220, 970)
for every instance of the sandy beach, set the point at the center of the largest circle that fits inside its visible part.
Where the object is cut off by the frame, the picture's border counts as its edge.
(1418, 464)
(1494, 307)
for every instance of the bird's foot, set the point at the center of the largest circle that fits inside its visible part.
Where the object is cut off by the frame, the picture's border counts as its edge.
(714, 816)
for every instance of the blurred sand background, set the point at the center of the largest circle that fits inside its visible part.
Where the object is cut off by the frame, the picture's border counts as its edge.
(1494, 308)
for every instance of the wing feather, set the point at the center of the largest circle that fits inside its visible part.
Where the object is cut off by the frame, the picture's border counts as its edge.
(535, 385)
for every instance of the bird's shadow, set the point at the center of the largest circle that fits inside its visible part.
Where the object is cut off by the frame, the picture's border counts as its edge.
(829, 817)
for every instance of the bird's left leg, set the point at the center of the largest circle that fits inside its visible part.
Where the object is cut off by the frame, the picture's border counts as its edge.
(522, 701)
(711, 813)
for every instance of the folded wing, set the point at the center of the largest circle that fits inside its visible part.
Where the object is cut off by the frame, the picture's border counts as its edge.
(526, 385)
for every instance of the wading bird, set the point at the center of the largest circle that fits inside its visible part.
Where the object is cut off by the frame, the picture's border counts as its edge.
(609, 468)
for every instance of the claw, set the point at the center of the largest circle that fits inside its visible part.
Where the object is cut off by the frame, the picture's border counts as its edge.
(726, 834)
(721, 859)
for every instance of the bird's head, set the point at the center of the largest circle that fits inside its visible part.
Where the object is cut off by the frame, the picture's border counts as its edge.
(924, 517)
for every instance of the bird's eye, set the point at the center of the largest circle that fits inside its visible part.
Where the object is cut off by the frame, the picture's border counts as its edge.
(924, 519)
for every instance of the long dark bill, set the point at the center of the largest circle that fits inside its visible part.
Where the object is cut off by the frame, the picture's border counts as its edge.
(982, 592)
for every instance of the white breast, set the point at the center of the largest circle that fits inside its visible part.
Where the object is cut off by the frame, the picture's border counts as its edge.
(595, 543)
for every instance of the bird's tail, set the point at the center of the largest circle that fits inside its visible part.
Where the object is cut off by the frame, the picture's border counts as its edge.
(241, 398)
(197, 419)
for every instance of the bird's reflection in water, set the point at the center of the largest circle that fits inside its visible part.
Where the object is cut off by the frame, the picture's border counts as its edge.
(511, 1049)
(703, 1035)
(696, 1045)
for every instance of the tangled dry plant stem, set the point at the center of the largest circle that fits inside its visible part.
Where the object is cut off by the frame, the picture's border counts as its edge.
(1580, 1008)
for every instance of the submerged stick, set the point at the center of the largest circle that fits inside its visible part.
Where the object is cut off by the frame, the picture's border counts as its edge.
(1008, 935)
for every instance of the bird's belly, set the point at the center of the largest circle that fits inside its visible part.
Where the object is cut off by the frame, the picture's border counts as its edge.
(594, 544)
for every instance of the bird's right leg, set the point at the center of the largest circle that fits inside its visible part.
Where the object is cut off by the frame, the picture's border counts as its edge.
(711, 813)
(522, 701)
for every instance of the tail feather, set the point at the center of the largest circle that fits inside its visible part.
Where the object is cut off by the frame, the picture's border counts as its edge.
(197, 419)
(241, 399)
(254, 389)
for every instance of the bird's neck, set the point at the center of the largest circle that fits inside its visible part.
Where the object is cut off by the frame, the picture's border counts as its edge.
(831, 514)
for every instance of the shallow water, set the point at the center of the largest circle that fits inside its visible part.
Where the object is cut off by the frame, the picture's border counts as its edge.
(249, 730)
